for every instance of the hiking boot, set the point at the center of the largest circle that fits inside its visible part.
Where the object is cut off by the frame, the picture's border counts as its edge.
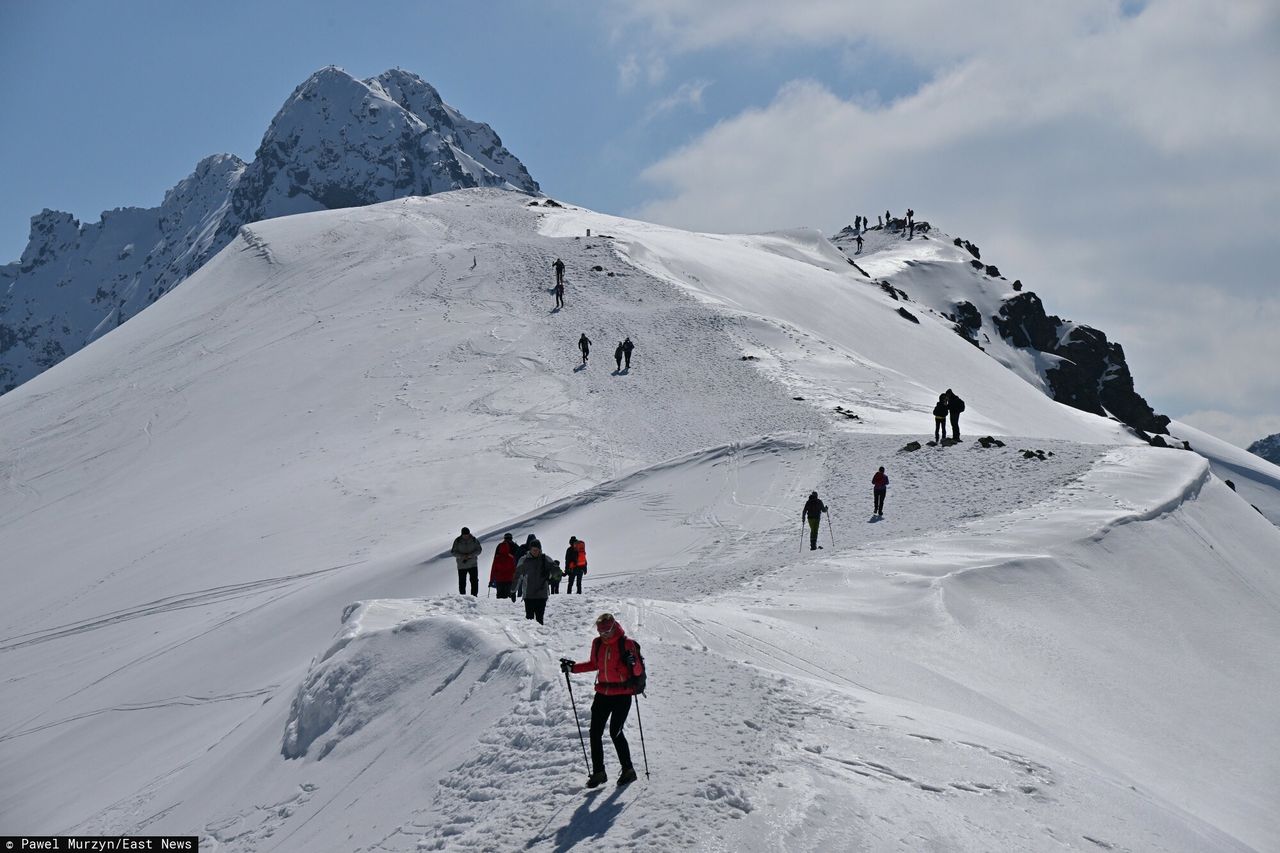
(595, 780)
(628, 776)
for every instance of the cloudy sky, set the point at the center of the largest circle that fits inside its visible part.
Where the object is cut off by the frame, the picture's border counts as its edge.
(1121, 158)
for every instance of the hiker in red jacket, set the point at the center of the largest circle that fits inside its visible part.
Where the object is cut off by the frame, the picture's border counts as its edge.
(879, 485)
(615, 659)
(575, 562)
(503, 574)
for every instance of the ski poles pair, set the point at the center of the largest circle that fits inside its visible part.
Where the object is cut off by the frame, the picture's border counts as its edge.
(578, 723)
(829, 531)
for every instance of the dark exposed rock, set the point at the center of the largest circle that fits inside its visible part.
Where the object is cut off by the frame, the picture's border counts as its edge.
(1017, 284)
(848, 414)
(910, 447)
(989, 442)
(597, 268)
(976, 264)
(1091, 375)
(903, 312)
(968, 322)
(750, 358)
(993, 271)
(1268, 448)
(895, 292)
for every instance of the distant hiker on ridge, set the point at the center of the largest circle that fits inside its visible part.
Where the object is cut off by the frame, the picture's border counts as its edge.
(813, 510)
(627, 347)
(466, 549)
(940, 418)
(575, 563)
(584, 344)
(858, 237)
(954, 407)
(616, 660)
(879, 485)
(617, 356)
(503, 573)
(534, 572)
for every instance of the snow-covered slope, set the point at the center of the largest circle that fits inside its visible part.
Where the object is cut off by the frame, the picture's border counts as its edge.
(1069, 649)
(337, 142)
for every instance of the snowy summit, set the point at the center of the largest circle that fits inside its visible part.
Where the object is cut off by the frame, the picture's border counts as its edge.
(337, 142)
(227, 530)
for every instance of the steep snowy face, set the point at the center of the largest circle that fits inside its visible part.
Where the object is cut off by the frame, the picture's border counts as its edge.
(1268, 448)
(1072, 363)
(337, 142)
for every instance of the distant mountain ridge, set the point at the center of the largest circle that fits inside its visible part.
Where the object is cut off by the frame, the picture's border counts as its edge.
(1268, 448)
(337, 142)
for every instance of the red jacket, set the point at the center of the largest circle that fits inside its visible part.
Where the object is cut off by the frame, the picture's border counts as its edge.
(612, 672)
(504, 563)
(879, 481)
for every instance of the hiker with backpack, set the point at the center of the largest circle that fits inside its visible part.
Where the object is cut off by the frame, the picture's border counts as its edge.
(813, 510)
(584, 344)
(503, 573)
(518, 591)
(466, 551)
(879, 485)
(627, 347)
(940, 418)
(534, 573)
(617, 357)
(559, 268)
(619, 668)
(954, 407)
(575, 563)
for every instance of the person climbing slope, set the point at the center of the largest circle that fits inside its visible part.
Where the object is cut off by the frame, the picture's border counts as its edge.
(466, 552)
(502, 575)
(617, 356)
(559, 268)
(584, 344)
(813, 510)
(534, 573)
(575, 563)
(954, 407)
(627, 347)
(617, 662)
(879, 485)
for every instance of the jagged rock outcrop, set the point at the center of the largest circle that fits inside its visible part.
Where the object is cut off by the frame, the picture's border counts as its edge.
(336, 142)
(1268, 448)
(1091, 373)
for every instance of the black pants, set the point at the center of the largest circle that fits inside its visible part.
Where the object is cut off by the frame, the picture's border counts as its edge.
(503, 589)
(585, 353)
(559, 297)
(939, 428)
(619, 360)
(602, 708)
(879, 497)
(955, 426)
(575, 575)
(627, 356)
(814, 522)
(463, 574)
(535, 608)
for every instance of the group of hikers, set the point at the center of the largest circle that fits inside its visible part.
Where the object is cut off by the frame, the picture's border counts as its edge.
(520, 571)
(524, 571)
(620, 353)
(863, 223)
(948, 405)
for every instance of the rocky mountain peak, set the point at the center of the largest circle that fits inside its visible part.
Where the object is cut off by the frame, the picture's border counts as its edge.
(336, 142)
(1268, 448)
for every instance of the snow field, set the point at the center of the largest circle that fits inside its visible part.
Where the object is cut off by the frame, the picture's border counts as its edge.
(1061, 654)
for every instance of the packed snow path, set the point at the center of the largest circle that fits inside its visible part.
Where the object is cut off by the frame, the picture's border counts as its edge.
(307, 422)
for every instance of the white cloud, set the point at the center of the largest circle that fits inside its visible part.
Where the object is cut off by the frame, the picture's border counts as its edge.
(688, 94)
(1122, 166)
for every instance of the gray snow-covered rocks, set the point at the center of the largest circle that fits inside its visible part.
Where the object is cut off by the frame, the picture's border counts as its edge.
(336, 142)
(1268, 448)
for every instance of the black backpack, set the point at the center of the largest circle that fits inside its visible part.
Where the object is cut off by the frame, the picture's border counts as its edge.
(635, 682)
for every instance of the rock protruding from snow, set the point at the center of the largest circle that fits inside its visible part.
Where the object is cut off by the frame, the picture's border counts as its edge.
(1092, 374)
(1268, 448)
(337, 142)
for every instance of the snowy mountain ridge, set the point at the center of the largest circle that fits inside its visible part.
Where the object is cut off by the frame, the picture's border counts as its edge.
(1268, 448)
(337, 142)
(241, 504)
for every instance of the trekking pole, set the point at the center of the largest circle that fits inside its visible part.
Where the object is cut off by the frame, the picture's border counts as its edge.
(833, 536)
(802, 536)
(585, 761)
(643, 752)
